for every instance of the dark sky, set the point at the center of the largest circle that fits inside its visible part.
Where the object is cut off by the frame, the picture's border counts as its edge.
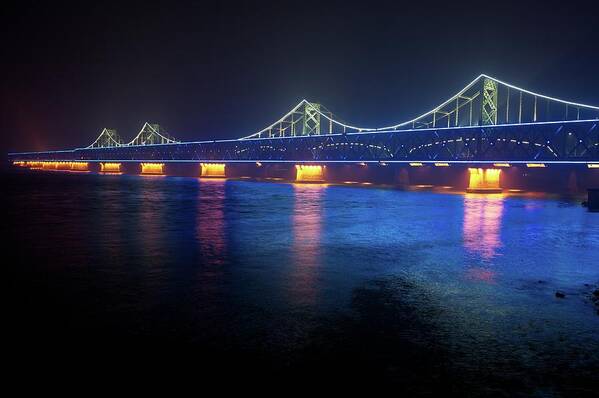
(224, 69)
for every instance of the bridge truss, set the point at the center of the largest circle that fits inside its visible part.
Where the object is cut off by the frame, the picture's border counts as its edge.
(485, 101)
(151, 134)
(108, 138)
(305, 119)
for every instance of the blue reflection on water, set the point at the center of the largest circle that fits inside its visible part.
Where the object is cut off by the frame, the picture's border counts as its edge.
(270, 265)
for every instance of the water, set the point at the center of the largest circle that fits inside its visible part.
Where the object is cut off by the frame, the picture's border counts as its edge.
(428, 291)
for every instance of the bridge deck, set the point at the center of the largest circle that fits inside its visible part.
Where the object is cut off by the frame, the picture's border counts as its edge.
(566, 141)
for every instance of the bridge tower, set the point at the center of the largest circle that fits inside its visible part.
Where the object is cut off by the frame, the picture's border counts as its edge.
(489, 102)
(152, 134)
(108, 138)
(311, 124)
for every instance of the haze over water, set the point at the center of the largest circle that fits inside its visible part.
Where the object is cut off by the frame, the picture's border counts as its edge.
(427, 290)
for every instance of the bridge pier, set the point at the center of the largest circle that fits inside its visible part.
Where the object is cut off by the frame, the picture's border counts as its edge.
(418, 175)
(58, 165)
(110, 167)
(275, 171)
(309, 173)
(50, 165)
(152, 168)
(484, 180)
(79, 166)
(212, 170)
(593, 200)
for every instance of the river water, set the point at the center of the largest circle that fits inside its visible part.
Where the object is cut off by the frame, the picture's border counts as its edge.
(429, 291)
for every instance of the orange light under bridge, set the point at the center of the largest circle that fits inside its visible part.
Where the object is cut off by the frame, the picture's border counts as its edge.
(152, 168)
(79, 166)
(34, 165)
(309, 173)
(214, 170)
(53, 165)
(74, 166)
(484, 180)
(110, 167)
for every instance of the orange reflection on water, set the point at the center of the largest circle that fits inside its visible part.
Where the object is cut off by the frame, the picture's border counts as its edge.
(210, 230)
(480, 274)
(151, 222)
(482, 224)
(307, 231)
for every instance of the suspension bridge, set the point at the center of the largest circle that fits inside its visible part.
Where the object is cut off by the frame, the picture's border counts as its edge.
(488, 123)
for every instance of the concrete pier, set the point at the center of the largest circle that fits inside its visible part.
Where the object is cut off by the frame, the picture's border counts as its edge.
(593, 201)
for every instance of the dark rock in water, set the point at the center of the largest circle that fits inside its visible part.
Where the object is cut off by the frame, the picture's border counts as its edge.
(559, 294)
(596, 293)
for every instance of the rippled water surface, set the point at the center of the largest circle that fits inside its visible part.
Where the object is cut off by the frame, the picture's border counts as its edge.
(426, 290)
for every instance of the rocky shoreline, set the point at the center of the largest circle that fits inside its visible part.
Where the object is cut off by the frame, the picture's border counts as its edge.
(591, 293)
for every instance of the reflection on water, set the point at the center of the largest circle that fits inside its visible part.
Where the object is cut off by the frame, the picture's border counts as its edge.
(111, 227)
(481, 274)
(307, 241)
(151, 218)
(210, 228)
(321, 277)
(482, 224)
(482, 233)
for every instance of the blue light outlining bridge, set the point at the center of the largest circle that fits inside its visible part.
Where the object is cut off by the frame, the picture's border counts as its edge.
(486, 121)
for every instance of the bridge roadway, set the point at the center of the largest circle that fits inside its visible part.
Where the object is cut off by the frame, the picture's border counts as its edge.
(565, 142)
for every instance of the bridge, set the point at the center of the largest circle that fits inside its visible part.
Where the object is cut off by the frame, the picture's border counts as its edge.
(487, 124)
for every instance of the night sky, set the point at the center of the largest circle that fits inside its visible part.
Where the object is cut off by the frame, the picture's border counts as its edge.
(223, 70)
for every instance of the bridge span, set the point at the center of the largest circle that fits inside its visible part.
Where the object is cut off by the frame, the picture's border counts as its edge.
(487, 125)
